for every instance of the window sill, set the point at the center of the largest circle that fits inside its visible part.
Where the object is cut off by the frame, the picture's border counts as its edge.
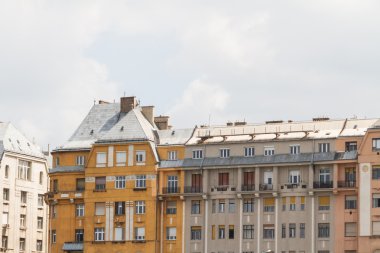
(139, 241)
(98, 242)
(103, 190)
(139, 189)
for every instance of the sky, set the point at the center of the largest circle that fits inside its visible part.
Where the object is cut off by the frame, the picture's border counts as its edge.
(197, 61)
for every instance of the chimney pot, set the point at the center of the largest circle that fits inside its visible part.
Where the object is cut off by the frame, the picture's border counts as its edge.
(127, 104)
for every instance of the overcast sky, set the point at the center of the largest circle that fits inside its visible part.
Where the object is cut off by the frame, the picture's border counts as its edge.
(233, 60)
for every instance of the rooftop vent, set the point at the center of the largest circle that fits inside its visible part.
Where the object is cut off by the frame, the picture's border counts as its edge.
(321, 119)
(274, 122)
(240, 123)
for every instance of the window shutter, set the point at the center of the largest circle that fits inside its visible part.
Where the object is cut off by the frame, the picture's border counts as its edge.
(269, 202)
(376, 228)
(302, 200)
(324, 200)
(292, 200)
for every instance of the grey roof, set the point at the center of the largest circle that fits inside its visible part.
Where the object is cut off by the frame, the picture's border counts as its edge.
(72, 246)
(259, 160)
(13, 140)
(174, 136)
(66, 169)
(130, 126)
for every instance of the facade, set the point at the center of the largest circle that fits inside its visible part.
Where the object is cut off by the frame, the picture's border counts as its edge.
(23, 170)
(126, 181)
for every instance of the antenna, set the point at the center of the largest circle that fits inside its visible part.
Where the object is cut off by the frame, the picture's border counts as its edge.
(124, 93)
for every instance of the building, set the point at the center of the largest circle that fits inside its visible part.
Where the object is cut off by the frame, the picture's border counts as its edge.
(125, 179)
(23, 170)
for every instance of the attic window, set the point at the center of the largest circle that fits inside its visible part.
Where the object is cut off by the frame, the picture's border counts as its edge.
(92, 132)
(122, 128)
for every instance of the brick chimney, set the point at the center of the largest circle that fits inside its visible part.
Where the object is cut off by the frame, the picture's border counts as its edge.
(162, 122)
(148, 112)
(127, 104)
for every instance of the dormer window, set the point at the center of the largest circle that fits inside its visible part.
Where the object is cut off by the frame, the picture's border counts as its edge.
(172, 155)
(224, 153)
(376, 144)
(268, 151)
(198, 154)
(324, 147)
(295, 149)
(249, 151)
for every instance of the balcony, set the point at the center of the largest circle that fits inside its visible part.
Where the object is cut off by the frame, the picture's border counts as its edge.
(248, 188)
(322, 185)
(171, 190)
(346, 184)
(266, 187)
(294, 186)
(193, 189)
(223, 188)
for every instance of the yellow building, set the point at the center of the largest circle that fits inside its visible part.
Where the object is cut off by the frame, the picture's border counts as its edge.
(104, 192)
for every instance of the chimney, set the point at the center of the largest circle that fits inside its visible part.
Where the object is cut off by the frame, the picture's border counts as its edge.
(162, 122)
(127, 104)
(148, 112)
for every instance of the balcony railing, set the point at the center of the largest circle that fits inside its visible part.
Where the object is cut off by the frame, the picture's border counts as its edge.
(322, 185)
(223, 188)
(247, 187)
(170, 190)
(193, 189)
(294, 186)
(346, 184)
(266, 187)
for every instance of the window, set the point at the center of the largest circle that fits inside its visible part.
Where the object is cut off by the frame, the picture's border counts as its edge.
(248, 231)
(221, 206)
(375, 143)
(295, 149)
(24, 196)
(231, 206)
(6, 172)
(22, 220)
(376, 228)
(41, 178)
(350, 229)
(268, 231)
(375, 173)
(22, 244)
(248, 205)
(5, 218)
(283, 230)
(5, 194)
(292, 205)
(213, 208)
(24, 170)
(224, 153)
(294, 177)
(249, 151)
(4, 241)
(79, 235)
(248, 181)
(269, 204)
(120, 182)
(101, 159)
(292, 230)
(350, 202)
(196, 182)
(80, 184)
(302, 230)
(140, 234)
(54, 236)
(40, 200)
(99, 234)
(79, 210)
(198, 154)
(325, 176)
(283, 203)
(172, 184)
(196, 233)
(171, 207)
(213, 232)
(171, 233)
(140, 156)
(302, 207)
(100, 183)
(323, 230)
(140, 207)
(221, 232)
(231, 232)
(80, 160)
(223, 179)
(120, 208)
(119, 233)
(195, 207)
(140, 181)
(324, 203)
(351, 146)
(324, 147)
(54, 212)
(57, 161)
(40, 222)
(121, 158)
(172, 155)
(55, 185)
(375, 200)
(268, 151)
(268, 177)
(100, 208)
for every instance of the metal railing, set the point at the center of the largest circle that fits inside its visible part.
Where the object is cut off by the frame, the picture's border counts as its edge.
(346, 184)
(247, 187)
(322, 184)
(171, 190)
(193, 189)
(266, 187)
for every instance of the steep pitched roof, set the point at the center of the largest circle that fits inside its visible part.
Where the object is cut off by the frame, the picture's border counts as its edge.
(13, 140)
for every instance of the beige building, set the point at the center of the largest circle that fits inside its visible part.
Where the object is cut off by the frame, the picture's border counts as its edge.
(23, 170)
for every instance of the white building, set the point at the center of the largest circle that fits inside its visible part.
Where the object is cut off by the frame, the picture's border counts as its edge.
(23, 177)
